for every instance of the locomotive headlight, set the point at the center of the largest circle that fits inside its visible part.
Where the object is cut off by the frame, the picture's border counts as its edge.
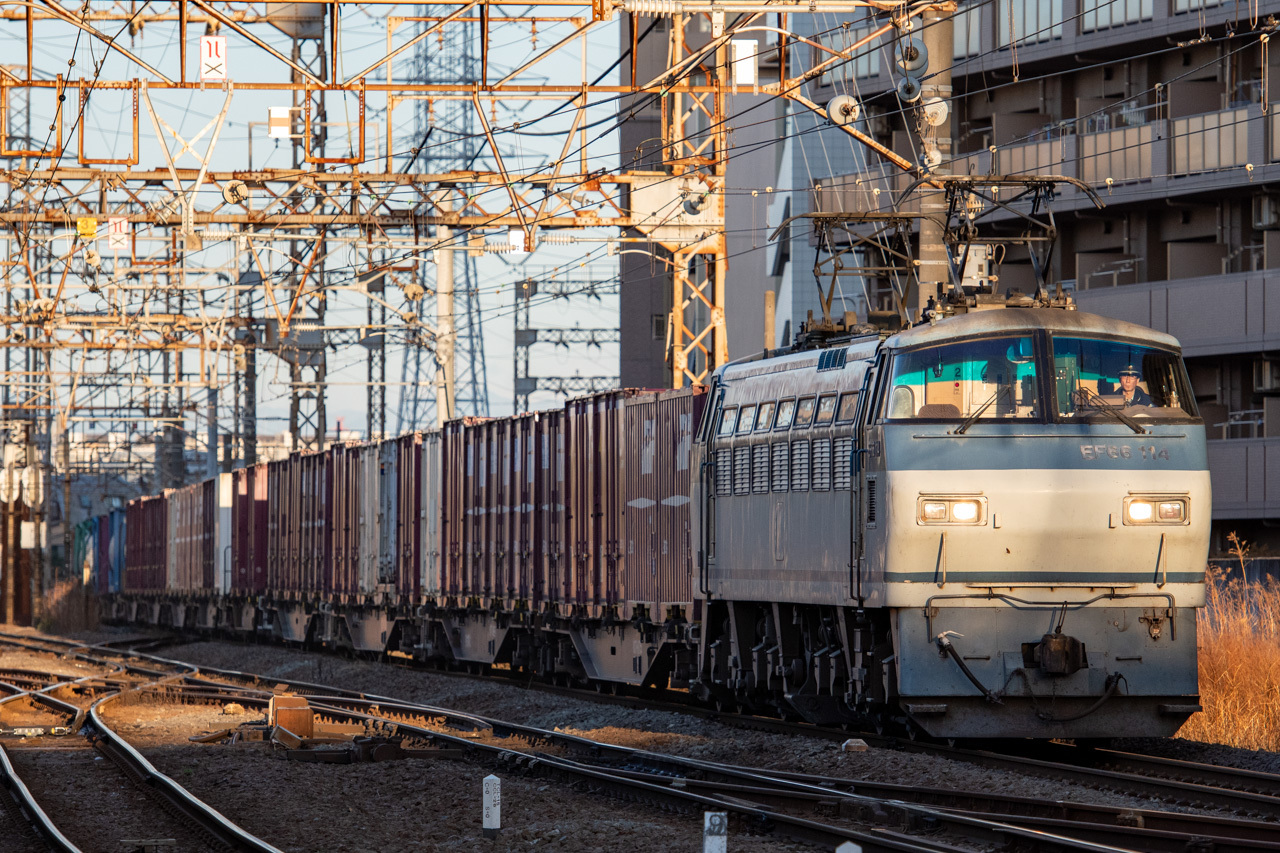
(1140, 511)
(1155, 509)
(943, 509)
(933, 511)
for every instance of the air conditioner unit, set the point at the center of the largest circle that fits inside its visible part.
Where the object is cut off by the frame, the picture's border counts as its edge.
(1266, 212)
(1266, 375)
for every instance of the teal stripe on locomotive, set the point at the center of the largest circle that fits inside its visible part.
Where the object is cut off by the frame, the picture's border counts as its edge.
(928, 446)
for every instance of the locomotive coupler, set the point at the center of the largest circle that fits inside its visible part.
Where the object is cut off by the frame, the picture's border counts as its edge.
(1058, 654)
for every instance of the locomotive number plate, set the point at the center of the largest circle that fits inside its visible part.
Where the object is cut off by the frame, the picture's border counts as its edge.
(1122, 451)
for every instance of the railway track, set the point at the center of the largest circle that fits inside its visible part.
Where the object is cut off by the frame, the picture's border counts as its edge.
(73, 800)
(977, 817)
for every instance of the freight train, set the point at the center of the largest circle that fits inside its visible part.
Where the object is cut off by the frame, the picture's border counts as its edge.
(971, 528)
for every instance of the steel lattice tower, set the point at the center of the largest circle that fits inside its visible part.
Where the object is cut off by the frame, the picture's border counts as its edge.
(448, 138)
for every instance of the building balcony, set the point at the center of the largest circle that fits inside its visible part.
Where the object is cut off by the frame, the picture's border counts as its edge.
(1245, 475)
(1209, 315)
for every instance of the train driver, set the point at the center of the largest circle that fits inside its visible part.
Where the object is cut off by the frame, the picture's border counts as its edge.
(1132, 394)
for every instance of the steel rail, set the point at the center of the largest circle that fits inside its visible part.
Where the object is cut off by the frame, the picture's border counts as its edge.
(203, 817)
(1230, 798)
(199, 813)
(26, 802)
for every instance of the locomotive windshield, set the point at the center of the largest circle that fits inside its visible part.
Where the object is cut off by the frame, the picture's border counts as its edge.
(988, 378)
(1091, 374)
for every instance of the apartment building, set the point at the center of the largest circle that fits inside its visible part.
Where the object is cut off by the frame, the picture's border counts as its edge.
(1166, 109)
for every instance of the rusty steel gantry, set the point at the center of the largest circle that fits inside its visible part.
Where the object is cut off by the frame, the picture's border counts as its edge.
(160, 266)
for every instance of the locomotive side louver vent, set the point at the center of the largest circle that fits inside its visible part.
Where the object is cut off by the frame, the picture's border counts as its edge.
(843, 463)
(742, 470)
(724, 473)
(871, 503)
(799, 466)
(760, 469)
(781, 469)
(821, 474)
(832, 359)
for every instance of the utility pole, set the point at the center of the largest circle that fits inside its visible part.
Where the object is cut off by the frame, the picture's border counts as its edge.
(213, 422)
(444, 322)
(68, 537)
(10, 542)
(934, 271)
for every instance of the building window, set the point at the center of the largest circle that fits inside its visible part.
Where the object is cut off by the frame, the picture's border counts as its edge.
(659, 326)
(865, 61)
(1103, 14)
(1180, 6)
(1028, 21)
(967, 32)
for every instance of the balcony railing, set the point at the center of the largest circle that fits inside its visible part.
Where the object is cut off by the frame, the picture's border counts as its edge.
(1210, 141)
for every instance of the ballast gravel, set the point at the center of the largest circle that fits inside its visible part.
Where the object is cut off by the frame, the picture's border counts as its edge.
(435, 804)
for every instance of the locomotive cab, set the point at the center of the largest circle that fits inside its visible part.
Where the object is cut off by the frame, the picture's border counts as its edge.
(1042, 548)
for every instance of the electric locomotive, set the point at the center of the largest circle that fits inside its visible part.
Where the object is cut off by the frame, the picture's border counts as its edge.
(1009, 541)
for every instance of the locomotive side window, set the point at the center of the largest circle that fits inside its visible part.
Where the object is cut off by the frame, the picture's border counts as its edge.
(1091, 375)
(786, 412)
(848, 408)
(804, 412)
(991, 378)
(764, 418)
(728, 421)
(747, 419)
(826, 409)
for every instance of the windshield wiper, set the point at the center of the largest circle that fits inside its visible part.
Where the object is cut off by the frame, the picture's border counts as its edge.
(972, 419)
(1103, 405)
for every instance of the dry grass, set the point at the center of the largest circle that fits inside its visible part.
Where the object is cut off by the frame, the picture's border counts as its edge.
(1239, 631)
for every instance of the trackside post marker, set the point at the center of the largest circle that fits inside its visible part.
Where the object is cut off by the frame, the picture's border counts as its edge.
(849, 847)
(492, 806)
(715, 832)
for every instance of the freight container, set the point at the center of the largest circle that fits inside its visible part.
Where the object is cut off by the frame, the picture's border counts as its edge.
(387, 517)
(596, 506)
(296, 560)
(249, 535)
(368, 506)
(102, 555)
(313, 556)
(493, 512)
(551, 556)
(522, 516)
(464, 473)
(146, 533)
(659, 436)
(116, 549)
(430, 553)
(191, 519)
(536, 524)
(409, 450)
(343, 487)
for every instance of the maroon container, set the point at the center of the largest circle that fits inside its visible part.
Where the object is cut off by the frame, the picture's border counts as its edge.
(343, 483)
(467, 486)
(408, 560)
(659, 436)
(249, 534)
(540, 498)
(147, 537)
(596, 472)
